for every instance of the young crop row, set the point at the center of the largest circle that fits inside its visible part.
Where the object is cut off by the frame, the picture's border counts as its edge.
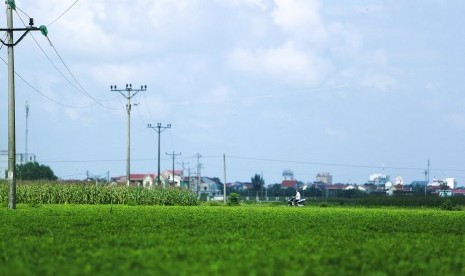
(244, 240)
(97, 194)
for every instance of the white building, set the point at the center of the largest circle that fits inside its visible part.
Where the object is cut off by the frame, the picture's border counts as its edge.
(379, 179)
(21, 159)
(450, 182)
(326, 178)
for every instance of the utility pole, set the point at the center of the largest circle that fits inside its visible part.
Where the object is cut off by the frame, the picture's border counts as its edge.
(224, 185)
(159, 129)
(189, 178)
(11, 95)
(427, 177)
(130, 92)
(199, 167)
(173, 155)
(26, 157)
(183, 169)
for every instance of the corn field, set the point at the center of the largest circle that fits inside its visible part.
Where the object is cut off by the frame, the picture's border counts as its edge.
(78, 193)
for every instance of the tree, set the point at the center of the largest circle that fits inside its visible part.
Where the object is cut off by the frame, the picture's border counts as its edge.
(443, 185)
(257, 183)
(34, 171)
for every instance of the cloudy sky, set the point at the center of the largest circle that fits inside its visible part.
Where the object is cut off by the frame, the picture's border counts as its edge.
(346, 87)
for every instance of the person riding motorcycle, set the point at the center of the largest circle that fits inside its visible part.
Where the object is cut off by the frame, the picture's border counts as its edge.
(297, 196)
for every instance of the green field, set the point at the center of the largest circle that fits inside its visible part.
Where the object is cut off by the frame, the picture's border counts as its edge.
(244, 240)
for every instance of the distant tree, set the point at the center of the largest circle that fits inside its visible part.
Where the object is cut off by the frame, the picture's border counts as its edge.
(257, 183)
(313, 191)
(275, 190)
(353, 193)
(443, 185)
(34, 171)
(418, 189)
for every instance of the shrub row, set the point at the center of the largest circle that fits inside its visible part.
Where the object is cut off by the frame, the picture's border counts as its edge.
(46, 193)
(384, 200)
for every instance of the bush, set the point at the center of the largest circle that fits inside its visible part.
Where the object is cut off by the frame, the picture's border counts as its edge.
(448, 205)
(324, 204)
(233, 199)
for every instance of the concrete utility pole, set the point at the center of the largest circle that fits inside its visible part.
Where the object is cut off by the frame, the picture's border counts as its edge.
(159, 129)
(130, 92)
(183, 164)
(199, 167)
(224, 185)
(11, 95)
(173, 155)
(26, 157)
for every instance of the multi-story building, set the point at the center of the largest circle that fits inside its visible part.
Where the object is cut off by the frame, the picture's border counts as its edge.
(379, 179)
(326, 178)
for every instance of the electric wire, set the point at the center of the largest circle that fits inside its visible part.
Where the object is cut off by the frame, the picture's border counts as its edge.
(48, 57)
(72, 5)
(18, 9)
(82, 90)
(79, 83)
(32, 87)
(42, 94)
(323, 164)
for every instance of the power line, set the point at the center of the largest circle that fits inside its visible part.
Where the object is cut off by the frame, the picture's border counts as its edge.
(42, 94)
(75, 79)
(61, 15)
(82, 90)
(322, 164)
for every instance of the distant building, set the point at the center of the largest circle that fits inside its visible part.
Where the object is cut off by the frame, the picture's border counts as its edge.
(148, 180)
(379, 179)
(450, 182)
(289, 184)
(21, 159)
(288, 175)
(325, 178)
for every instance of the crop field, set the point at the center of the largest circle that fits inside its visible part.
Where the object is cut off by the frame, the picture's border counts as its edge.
(47, 193)
(244, 240)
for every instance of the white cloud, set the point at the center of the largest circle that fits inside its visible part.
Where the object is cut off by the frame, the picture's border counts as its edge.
(262, 4)
(300, 17)
(286, 62)
(165, 12)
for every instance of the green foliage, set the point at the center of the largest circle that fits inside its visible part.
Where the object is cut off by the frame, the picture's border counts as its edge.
(34, 171)
(407, 201)
(448, 205)
(178, 240)
(214, 203)
(233, 199)
(257, 182)
(324, 204)
(46, 193)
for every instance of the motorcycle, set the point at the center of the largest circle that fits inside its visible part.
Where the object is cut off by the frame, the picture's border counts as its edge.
(292, 202)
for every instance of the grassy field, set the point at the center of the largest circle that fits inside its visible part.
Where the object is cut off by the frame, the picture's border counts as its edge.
(210, 240)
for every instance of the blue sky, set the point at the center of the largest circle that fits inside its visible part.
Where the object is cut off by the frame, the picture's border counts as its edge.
(346, 87)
